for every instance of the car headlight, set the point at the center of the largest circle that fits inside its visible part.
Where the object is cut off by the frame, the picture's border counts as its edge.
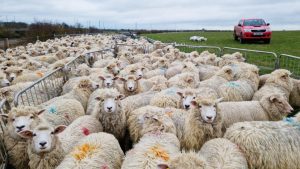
(247, 30)
(268, 30)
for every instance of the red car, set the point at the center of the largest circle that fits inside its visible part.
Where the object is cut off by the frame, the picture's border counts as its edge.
(252, 29)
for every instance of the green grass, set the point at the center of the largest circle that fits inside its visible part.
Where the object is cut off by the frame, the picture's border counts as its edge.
(287, 42)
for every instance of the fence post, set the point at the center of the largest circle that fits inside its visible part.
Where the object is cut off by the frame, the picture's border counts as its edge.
(6, 43)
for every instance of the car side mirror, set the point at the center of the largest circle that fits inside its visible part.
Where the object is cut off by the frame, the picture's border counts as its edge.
(268, 24)
(239, 24)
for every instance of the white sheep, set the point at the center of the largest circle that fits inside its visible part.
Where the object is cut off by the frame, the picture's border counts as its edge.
(98, 150)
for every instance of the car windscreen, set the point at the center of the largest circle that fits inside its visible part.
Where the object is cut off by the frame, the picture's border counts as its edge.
(254, 22)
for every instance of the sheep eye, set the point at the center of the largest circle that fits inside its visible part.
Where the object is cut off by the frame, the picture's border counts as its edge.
(13, 119)
(200, 106)
(34, 135)
(194, 97)
(52, 132)
(31, 117)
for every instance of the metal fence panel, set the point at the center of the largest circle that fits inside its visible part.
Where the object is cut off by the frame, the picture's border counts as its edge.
(190, 48)
(4, 108)
(290, 62)
(265, 60)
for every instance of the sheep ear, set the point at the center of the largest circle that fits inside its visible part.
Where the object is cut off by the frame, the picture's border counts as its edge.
(120, 97)
(4, 68)
(59, 129)
(162, 166)
(26, 134)
(98, 98)
(219, 100)
(228, 71)
(194, 103)
(108, 67)
(122, 79)
(40, 112)
(180, 94)
(139, 78)
(101, 77)
(115, 78)
(273, 98)
(155, 117)
(4, 116)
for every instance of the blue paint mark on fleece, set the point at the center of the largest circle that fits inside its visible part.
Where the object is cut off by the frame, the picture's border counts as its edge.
(232, 84)
(52, 109)
(292, 122)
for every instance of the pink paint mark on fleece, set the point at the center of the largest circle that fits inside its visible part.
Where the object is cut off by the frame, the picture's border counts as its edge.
(104, 167)
(85, 131)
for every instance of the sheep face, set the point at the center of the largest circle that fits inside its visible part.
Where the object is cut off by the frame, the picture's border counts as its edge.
(206, 108)
(11, 74)
(20, 120)
(186, 99)
(43, 138)
(280, 103)
(113, 68)
(108, 81)
(110, 104)
(131, 84)
(88, 85)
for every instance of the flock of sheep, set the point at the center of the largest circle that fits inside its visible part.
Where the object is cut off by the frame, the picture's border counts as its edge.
(159, 109)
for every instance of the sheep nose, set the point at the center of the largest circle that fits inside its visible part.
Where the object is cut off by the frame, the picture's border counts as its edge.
(107, 84)
(209, 117)
(187, 106)
(43, 143)
(97, 85)
(20, 127)
(109, 108)
(130, 88)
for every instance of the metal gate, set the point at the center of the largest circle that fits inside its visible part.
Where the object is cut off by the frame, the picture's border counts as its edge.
(266, 61)
(290, 62)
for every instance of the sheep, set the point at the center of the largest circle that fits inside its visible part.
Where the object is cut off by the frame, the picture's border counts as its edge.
(242, 89)
(62, 111)
(267, 144)
(222, 153)
(183, 80)
(82, 70)
(79, 128)
(108, 81)
(71, 83)
(13, 72)
(130, 86)
(28, 77)
(108, 111)
(166, 98)
(278, 82)
(139, 117)
(44, 147)
(203, 122)
(185, 160)
(19, 119)
(270, 107)
(98, 150)
(81, 92)
(222, 76)
(152, 149)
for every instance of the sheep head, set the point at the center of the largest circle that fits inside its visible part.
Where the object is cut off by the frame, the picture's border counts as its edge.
(205, 109)
(226, 72)
(87, 85)
(281, 77)
(275, 103)
(131, 83)
(109, 100)
(113, 68)
(20, 119)
(43, 138)
(186, 98)
(108, 80)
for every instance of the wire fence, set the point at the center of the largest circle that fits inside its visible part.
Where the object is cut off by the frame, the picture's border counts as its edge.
(291, 63)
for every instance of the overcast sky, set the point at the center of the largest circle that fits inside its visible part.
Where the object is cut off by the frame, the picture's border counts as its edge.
(154, 14)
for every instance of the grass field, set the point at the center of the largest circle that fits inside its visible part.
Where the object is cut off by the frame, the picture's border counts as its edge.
(287, 42)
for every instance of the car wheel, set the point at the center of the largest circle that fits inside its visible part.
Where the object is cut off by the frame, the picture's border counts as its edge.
(242, 41)
(235, 37)
(267, 41)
